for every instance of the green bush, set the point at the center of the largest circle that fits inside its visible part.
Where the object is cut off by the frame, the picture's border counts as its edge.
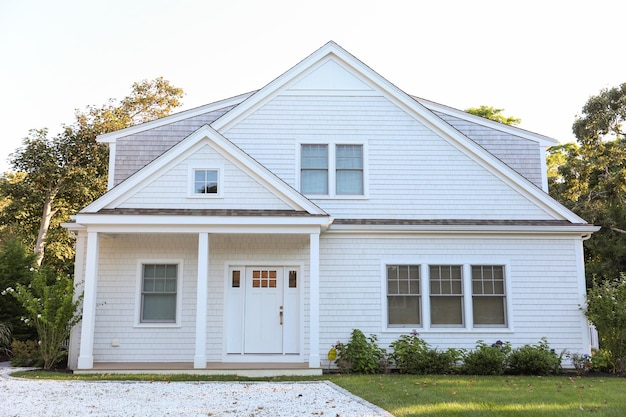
(606, 309)
(360, 355)
(412, 355)
(601, 360)
(534, 359)
(487, 359)
(26, 353)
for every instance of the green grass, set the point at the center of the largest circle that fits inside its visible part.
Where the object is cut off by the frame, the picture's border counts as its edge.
(447, 396)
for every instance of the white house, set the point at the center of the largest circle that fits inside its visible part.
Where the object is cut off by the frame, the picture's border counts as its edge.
(257, 231)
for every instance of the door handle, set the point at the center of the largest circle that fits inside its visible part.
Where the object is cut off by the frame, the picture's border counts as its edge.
(281, 315)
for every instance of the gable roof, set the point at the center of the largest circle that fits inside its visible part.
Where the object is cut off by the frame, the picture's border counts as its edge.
(226, 149)
(333, 52)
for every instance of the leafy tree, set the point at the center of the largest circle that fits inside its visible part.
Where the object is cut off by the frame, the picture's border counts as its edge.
(57, 176)
(590, 179)
(494, 114)
(16, 267)
(52, 309)
(606, 309)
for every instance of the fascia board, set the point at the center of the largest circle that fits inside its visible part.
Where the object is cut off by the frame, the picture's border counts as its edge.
(512, 130)
(173, 220)
(576, 230)
(112, 137)
(229, 150)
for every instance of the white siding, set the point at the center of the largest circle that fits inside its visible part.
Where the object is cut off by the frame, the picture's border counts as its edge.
(171, 189)
(542, 277)
(408, 166)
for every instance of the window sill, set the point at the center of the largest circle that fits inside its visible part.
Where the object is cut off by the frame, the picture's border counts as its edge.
(157, 326)
(400, 330)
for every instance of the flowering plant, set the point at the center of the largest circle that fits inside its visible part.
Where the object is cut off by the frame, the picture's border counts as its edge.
(581, 362)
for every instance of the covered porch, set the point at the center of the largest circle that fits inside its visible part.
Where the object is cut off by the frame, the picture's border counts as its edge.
(214, 250)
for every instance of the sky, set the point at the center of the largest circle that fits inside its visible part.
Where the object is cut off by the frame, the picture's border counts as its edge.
(539, 60)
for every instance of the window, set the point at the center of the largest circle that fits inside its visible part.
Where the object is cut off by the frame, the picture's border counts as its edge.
(332, 170)
(488, 297)
(314, 169)
(446, 295)
(403, 295)
(205, 181)
(159, 290)
(349, 169)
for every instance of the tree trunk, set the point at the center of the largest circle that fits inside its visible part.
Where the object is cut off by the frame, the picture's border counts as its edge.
(46, 218)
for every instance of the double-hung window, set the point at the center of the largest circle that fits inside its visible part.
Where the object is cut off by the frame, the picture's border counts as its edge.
(403, 296)
(314, 169)
(488, 296)
(332, 170)
(446, 295)
(349, 163)
(159, 293)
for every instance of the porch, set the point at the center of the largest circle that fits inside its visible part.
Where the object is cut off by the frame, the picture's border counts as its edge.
(250, 370)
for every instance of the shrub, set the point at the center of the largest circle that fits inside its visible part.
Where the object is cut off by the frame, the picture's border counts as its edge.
(487, 359)
(600, 360)
(412, 355)
(580, 361)
(52, 310)
(361, 354)
(26, 353)
(534, 360)
(606, 309)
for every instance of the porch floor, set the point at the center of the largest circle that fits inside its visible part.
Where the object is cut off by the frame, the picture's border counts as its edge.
(251, 370)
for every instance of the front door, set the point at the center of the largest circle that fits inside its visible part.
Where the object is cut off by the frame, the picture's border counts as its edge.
(263, 318)
(263, 310)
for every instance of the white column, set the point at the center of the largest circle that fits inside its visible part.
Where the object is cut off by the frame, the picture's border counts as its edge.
(85, 357)
(199, 360)
(314, 301)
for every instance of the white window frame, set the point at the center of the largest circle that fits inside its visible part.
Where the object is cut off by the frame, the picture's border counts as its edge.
(468, 313)
(179, 292)
(191, 192)
(332, 169)
(419, 296)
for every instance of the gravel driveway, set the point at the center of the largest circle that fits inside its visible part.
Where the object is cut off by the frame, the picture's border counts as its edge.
(32, 398)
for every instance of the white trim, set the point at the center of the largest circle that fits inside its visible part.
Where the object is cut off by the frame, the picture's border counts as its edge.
(179, 292)
(191, 190)
(537, 231)
(582, 292)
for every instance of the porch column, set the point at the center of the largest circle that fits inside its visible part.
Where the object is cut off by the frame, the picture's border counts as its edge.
(314, 301)
(199, 360)
(85, 357)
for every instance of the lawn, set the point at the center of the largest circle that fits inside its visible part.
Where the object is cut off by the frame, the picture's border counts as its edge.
(458, 396)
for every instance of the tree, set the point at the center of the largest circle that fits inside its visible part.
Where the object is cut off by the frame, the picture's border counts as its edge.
(494, 114)
(16, 267)
(57, 176)
(590, 179)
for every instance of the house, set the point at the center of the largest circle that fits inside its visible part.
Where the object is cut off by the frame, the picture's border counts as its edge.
(257, 231)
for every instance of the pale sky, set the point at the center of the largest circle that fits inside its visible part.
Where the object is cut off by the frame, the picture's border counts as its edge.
(540, 60)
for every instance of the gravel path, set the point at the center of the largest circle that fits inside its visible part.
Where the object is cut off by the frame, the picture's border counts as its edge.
(32, 398)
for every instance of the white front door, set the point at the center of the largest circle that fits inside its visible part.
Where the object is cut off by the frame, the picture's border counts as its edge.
(263, 310)
(263, 318)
